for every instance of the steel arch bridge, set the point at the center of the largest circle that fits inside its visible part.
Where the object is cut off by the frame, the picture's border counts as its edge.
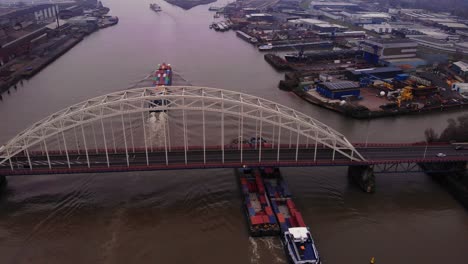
(95, 129)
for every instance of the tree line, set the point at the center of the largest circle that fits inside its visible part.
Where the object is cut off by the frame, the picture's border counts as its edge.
(457, 130)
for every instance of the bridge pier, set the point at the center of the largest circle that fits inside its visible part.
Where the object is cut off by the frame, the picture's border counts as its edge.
(363, 176)
(453, 176)
(3, 183)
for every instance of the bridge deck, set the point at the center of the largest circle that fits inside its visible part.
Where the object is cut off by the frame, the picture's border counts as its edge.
(195, 158)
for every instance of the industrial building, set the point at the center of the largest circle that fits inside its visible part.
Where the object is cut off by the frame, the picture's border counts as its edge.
(329, 4)
(318, 25)
(383, 28)
(461, 68)
(338, 90)
(386, 49)
(461, 88)
(362, 18)
(260, 17)
(381, 73)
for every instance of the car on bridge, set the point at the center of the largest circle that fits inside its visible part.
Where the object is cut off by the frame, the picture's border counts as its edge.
(441, 155)
(259, 140)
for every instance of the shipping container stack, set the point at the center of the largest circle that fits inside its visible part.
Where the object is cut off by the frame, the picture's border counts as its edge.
(281, 201)
(261, 217)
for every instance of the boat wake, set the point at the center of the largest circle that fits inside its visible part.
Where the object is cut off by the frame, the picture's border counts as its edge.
(157, 128)
(255, 256)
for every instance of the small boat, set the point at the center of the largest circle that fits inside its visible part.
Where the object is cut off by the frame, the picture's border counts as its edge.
(216, 15)
(300, 246)
(214, 8)
(226, 26)
(268, 46)
(155, 7)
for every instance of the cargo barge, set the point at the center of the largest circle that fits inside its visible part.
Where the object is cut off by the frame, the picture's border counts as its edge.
(295, 236)
(246, 37)
(260, 217)
(162, 77)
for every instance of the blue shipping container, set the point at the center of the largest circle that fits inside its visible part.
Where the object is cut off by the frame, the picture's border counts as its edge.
(251, 211)
(275, 208)
(272, 219)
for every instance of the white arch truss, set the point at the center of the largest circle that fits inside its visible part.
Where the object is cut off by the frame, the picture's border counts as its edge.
(188, 98)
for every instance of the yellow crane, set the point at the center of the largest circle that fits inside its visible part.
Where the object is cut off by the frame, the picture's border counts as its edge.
(405, 95)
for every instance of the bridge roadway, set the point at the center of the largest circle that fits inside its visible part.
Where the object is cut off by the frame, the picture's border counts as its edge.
(176, 159)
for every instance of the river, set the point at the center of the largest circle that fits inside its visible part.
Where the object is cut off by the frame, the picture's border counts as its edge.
(195, 216)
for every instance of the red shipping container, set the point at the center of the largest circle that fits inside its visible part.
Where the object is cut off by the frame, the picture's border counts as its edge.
(266, 219)
(280, 217)
(243, 181)
(293, 212)
(290, 204)
(268, 210)
(256, 220)
(262, 199)
(293, 221)
(261, 190)
(259, 182)
(300, 221)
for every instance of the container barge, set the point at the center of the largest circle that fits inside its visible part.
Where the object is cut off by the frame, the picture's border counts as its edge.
(246, 37)
(295, 236)
(260, 217)
(162, 77)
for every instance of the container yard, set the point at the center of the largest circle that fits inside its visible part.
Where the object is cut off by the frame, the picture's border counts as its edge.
(371, 48)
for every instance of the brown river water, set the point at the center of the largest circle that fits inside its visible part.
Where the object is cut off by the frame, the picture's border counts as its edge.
(196, 216)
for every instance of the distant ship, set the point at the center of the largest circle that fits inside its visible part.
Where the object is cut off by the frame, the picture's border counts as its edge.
(214, 8)
(155, 7)
(161, 78)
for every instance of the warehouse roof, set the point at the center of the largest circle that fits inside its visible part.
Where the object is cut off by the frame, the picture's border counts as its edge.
(376, 70)
(343, 85)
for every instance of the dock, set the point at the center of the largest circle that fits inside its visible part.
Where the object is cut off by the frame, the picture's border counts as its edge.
(316, 44)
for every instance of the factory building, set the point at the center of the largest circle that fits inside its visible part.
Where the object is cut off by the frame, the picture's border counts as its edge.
(338, 90)
(318, 25)
(386, 49)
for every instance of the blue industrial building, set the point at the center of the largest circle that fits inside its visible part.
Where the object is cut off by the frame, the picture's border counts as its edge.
(338, 90)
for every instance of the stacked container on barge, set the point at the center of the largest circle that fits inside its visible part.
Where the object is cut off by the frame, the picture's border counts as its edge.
(296, 238)
(162, 77)
(260, 217)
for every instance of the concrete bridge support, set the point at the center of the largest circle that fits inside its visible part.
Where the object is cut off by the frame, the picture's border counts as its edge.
(453, 176)
(363, 176)
(3, 183)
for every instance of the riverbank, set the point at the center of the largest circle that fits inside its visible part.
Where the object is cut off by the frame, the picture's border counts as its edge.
(31, 66)
(358, 112)
(187, 4)
(26, 66)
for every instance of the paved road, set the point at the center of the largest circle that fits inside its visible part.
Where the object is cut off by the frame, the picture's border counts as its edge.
(232, 158)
